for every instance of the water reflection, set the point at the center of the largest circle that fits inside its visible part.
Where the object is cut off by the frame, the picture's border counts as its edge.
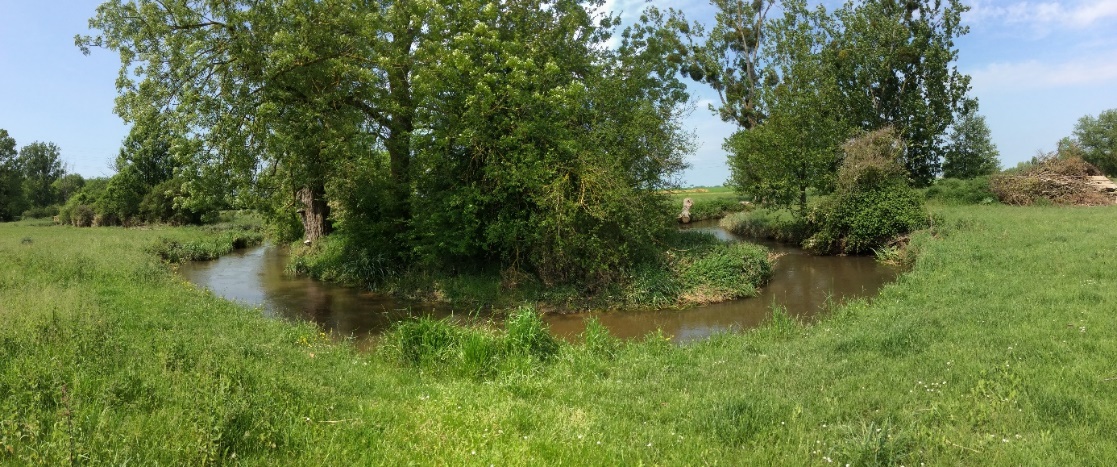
(800, 282)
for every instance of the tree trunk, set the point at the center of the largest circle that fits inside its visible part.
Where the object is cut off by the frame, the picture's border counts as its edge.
(315, 213)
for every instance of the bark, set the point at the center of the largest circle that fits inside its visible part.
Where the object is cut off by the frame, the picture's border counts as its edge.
(315, 213)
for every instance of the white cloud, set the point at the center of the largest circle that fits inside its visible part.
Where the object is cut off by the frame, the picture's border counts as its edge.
(1034, 74)
(1043, 16)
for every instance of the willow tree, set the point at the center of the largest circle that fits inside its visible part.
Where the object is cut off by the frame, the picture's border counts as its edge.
(545, 149)
(474, 132)
(283, 88)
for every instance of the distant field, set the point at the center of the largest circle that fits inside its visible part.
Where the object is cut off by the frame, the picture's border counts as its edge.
(996, 349)
(709, 202)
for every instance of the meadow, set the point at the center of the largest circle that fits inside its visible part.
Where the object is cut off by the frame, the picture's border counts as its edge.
(709, 202)
(996, 349)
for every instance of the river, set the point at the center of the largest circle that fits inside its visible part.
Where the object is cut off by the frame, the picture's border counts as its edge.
(801, 283)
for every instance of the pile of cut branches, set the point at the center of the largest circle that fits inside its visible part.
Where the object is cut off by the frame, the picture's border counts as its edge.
(1058, 180)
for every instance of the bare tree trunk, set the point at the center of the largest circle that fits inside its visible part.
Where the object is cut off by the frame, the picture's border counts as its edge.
(315, 213)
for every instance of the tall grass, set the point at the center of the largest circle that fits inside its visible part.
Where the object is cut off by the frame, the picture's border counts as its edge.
(995, 349)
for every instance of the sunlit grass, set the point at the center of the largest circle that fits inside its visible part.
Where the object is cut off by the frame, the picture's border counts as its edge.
(997, 348)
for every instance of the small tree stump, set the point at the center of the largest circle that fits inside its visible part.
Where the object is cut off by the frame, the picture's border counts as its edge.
(684, 217)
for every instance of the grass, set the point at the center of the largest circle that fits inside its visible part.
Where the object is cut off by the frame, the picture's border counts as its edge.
(709, 202)
(996, 349)
(781, 225)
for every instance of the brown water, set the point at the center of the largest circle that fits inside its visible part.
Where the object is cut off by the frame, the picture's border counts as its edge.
(801, 283)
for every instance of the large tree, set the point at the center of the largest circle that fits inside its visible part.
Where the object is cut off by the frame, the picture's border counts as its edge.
(892, 64)
(1098, 139)
(275, 86)
(41, 164)
(895, 62)
(481, 131)
(732, 58)
(795, 148)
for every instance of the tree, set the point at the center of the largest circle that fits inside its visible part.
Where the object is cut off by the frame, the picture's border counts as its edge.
(147, 152)
(816, 75)
(551, 163)
(795, 148)
(970, 152)
(484, 131)
(11, 179)
(277, 87)
(872, 203)
(68, 186)
(732, 58)
(895, 65)
(42, 166)
(1097, 138)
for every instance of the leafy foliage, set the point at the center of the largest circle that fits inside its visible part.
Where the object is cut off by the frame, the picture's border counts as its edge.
(872, 204)
(969, 151)
(813, 75)
(11, 179)
(493, 133)
(895, 66)
(958, 191)
(1097, 136)
(41, 164)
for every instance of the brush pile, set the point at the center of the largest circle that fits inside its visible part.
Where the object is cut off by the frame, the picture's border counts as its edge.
(1054, 180)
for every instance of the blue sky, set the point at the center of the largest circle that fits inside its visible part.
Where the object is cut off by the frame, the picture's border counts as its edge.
(1037, 67)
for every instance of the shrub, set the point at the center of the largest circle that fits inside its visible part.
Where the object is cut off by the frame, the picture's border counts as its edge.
(956, 191)
(41, 212)
(873, 202)
(723, 271)
(82, 216)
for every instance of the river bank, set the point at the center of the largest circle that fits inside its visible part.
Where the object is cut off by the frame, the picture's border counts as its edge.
(803, 284)
(995, 349)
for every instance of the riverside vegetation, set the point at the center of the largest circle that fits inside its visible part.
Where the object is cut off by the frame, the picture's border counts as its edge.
(970, 358)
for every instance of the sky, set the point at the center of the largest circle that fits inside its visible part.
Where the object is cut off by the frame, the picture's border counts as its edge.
(1036, 68)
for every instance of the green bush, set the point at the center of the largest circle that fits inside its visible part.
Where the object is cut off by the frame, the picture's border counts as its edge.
(41, 212)
(82, 215)
(724, 271)
(956, 191)
(873, 203)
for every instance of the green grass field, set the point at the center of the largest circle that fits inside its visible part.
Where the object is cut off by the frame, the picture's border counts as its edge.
(709, 202)
(997, 349)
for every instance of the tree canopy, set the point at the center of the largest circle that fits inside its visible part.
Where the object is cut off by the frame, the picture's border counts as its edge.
(1097, 137)
(41, 164)
(11, 178)
(482, 132)
(970, 152)
(814, 76)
